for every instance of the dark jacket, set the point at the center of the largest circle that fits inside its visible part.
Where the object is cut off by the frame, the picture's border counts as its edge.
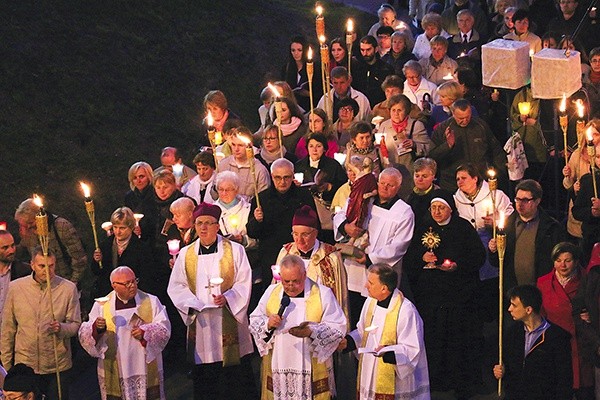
(588, 334)
(137, 256)
(19, 269)
(142, 202)
(275, 229)
(545, 373)
(549, 233)
(367, 78)
(332, 170)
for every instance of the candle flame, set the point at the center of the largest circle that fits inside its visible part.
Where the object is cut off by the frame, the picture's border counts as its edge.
(209, 119)
(349, 26)
(322, 39)
(37, 200)
(580, 108)
(491, 173)
(244, 139)
(273, 89)
(319, 10)
(563, 103)
(310, 54)
(500, 222)
(589, 133)
(86, 189)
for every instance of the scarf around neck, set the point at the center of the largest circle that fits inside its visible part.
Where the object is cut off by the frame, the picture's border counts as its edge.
(288, 129)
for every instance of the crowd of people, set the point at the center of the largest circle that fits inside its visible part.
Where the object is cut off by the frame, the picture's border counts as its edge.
(352, 238)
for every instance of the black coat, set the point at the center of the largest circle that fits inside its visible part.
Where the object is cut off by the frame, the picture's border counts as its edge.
(549, 233)
(137, 256)
(19, 269)
(143, 203)
(368, 79)
(545, 373)
(276, 228)
(588, 334)
(332, 170)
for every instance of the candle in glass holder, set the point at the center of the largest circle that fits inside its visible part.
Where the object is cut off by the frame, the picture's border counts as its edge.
(107, 226)
(178, 172)
(173, 246)
(524, 108)
(215, 284)
(234, 223)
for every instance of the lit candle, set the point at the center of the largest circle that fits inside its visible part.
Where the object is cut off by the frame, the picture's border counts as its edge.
(488, 206)
(448, 77)
(493, 185)
(531, 53)
(91, 212)
(138, 217)
(107, 226)
(524, 108)
(3, 226)
(278, 111)
(102, 301)
(500, 222)
(447, 263)
(320, 21)
(234, 222)
(337, 209)
(178, 172)
(340, 157)
(563, 120)
(215, 283)
(299, 177)
(378, 137)
(580, 118)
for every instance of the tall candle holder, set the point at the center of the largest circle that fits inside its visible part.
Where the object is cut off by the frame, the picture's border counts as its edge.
(41, 223)
(212, 135)
(493, 184)
(349, 41)
(310, 71)
(580, 119)
(250, 157)
(501, 247)
(91, 212)
(325, 75)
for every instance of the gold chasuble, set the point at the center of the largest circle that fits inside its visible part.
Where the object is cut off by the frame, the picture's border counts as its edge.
(319, 374)
(111, 367)
(230, 340)
(385, 385)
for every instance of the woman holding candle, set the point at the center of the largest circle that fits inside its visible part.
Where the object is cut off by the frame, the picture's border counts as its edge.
(331, 176)
(559, 290)
(405, 138)
(140, 199)
(292, 126)
(294, 73)
(317, 123)
(216, 104)
(446, 295)
(123, 248)
(524, 115)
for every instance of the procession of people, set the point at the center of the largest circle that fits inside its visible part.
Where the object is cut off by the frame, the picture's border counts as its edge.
(374, 238)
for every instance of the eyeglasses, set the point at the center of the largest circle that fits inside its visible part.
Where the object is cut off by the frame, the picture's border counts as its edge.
(128, 284)
(438, 208)
(226, 190)
(347, 109)
(282, 178)
(303, 235)
(524, 200)
(269, 139)
(201, 224)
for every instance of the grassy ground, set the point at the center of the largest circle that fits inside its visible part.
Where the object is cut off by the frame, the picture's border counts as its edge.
(88, 88)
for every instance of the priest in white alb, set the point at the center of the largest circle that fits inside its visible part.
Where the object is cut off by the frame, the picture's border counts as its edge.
(127, 332)
(297, 326)
(389, 334)
(210, 286)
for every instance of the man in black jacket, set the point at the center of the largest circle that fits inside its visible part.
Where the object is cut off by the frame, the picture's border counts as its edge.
(537, 356)
(530, 236)
(370, 71)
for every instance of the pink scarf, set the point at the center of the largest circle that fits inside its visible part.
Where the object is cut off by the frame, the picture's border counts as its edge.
(288, 129)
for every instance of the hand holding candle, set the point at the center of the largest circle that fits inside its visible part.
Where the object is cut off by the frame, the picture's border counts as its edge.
(173, 246)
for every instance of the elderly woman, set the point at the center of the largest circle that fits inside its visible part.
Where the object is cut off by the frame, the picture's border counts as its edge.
(438, 67)
(317, 123)
(216, 104)
(400, 52)
(182, 210)
(418, 89)
(432, 25)
(293, 126)
(559, 289)
(270, 150)
(444, 279)
(140, 199)
(387, 17)
(122, 248)
(404, 138)
(347, 115)
(201, 188)
(362, 143)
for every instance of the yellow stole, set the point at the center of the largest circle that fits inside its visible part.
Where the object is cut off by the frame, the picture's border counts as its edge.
(230, 339)
(385, 383)
(111, 368)
(313, 313)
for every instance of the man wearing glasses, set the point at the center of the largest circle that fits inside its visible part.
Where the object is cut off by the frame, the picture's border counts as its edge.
(127, 332)
(271, 223)
(530, 236)
(210, 286)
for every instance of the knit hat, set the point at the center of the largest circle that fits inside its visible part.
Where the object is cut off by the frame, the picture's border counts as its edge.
(445, 197)
(306, 216)
(207, 209)
(21, 378)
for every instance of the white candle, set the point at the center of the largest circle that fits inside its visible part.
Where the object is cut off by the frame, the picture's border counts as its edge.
(215, 283)
(299, 177)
